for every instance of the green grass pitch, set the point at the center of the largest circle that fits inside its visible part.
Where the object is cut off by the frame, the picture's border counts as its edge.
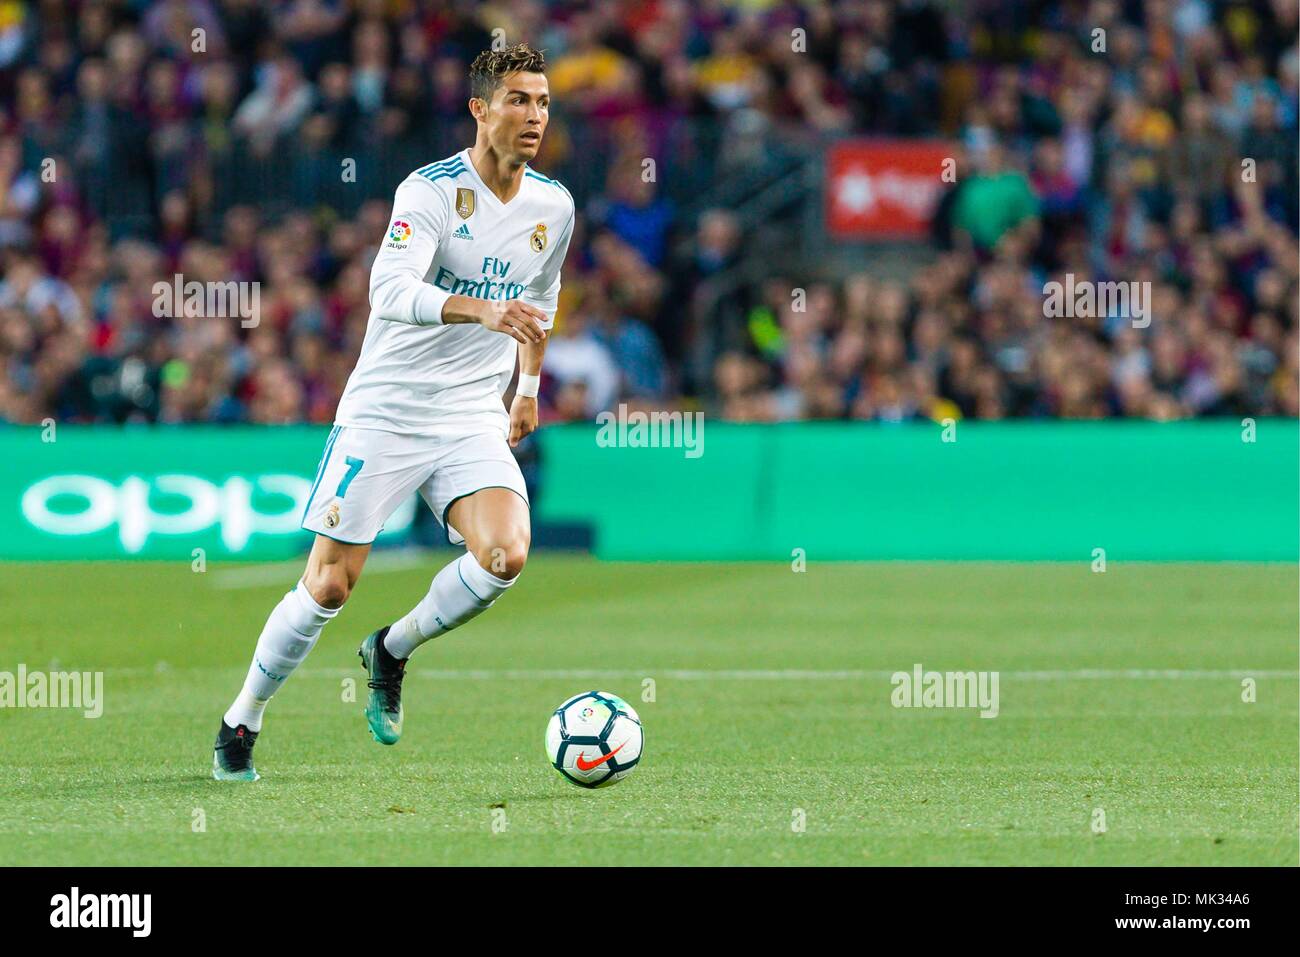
(1120, 691)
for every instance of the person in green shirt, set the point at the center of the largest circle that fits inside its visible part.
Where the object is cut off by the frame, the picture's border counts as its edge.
(995, 201)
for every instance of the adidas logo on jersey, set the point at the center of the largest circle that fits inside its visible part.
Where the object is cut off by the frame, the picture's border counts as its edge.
(463, 232)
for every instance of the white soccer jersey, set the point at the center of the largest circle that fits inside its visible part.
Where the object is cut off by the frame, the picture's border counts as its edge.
(451, 235)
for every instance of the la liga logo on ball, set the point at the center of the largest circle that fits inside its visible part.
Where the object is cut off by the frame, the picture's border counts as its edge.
(594, 739)
(399, 234)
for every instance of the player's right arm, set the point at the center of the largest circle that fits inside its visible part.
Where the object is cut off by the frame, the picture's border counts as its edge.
(513, 317)
(398, 292)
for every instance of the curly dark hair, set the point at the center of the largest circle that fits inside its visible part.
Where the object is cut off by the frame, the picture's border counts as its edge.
(491, 66)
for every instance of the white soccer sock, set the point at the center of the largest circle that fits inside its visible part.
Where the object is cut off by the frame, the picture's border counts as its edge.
(289, 634)
(461, 591)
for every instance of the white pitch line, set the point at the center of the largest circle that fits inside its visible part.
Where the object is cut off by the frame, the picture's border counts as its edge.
(726, 674)
(1138, 674)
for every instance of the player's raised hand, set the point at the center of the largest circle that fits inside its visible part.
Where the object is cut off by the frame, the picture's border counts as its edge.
(515, 318)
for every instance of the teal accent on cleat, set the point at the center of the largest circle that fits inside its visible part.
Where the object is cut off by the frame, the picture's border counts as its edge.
(384, 706)
(232, 755)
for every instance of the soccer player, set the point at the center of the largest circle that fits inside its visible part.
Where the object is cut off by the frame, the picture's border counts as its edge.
(465, 281)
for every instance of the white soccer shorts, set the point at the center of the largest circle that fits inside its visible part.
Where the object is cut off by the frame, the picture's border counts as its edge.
(365, 474)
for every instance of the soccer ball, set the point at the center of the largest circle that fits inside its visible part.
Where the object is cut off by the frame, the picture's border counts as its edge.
(594, 739)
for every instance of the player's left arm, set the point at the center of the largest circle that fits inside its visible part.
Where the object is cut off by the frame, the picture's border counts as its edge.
(523, 410)
(543, 293)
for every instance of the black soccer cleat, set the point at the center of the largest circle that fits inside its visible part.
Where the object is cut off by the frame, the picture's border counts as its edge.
(232, 755)
(384, 707)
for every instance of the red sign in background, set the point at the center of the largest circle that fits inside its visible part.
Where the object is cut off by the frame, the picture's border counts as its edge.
(884, 188)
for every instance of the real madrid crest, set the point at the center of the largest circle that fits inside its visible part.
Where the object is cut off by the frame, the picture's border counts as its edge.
(332, 515)
(465, 202)
(538, 239)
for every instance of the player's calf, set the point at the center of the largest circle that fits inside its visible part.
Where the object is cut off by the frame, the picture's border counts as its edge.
(462, 590)
(291, 631)
(494, 522)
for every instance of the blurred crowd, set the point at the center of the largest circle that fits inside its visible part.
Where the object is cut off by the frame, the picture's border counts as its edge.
(1151, 142)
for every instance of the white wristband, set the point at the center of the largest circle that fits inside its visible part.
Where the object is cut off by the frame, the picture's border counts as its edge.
(528, 385)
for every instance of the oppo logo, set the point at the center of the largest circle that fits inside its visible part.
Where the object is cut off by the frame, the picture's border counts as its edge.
(141, 507)
(85, 505)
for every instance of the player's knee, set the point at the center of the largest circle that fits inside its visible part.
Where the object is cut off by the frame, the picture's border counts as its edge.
(328, 585)
(332, 594)
(506, 555)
